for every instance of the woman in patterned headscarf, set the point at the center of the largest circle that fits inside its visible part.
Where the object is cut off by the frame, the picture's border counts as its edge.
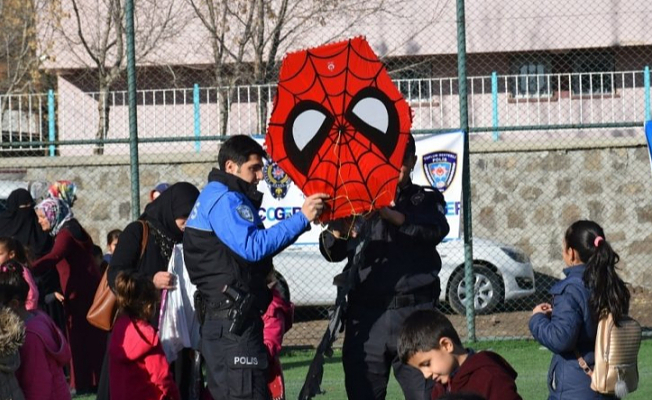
(72, 256)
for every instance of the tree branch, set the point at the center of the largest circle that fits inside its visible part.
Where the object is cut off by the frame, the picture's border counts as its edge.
(80, 33)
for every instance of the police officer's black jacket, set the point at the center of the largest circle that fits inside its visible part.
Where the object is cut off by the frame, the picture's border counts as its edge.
(225, 242)
(395, 260)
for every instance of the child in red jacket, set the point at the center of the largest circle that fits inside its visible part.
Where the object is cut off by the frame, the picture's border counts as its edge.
(277, 321)
(428, 341)
(45, 350)
(137, 364)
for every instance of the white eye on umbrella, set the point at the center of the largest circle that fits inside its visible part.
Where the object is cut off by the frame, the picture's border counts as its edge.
(372, 112)
(373, 115)
(306, 126)
(305, 132)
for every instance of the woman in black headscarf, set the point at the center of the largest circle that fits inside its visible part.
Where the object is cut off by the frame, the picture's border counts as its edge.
(166, 220)
(20, 222)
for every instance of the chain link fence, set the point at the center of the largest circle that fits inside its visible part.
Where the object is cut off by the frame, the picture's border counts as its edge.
(558, 94)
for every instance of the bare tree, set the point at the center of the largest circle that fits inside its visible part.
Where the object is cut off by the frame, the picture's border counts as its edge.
(22, 50)
(247, 37)
(229, 24)
(98, 41)
(25, 40)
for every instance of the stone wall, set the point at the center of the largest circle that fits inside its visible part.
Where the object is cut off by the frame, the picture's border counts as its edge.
(528, 199)
(104, 183)
(525, 198)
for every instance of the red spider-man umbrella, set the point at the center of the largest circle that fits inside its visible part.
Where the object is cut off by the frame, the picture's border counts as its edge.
(340, 126)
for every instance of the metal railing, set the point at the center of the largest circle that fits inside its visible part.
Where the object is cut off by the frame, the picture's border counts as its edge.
(26, 118)
(496, 102)
(545, 100)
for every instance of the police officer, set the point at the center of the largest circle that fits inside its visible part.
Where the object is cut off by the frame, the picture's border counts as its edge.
(393, 266)
(228, 254)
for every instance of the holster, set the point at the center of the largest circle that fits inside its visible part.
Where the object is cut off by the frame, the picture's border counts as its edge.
(241, 308)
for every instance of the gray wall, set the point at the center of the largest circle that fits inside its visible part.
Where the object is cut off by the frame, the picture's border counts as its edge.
(521, 197)
(529, 198)
(104, 184)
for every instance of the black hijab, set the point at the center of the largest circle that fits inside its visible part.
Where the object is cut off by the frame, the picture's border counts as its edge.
(175, 202)
(21, 223)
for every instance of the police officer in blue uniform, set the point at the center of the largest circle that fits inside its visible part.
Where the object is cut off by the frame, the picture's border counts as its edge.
(228, 254)
(392, 270)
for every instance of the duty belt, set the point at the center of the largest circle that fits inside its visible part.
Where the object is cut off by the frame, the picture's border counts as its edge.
(213, 313)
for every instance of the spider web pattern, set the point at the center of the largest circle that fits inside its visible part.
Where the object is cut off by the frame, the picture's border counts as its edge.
(348, 166)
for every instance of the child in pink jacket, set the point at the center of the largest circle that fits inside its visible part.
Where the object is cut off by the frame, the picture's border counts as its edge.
(45, 351)
(11, 249)
(137, 364)
(277, 321)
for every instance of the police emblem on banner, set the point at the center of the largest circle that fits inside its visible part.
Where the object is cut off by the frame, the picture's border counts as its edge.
(440, 167)
(277, 180)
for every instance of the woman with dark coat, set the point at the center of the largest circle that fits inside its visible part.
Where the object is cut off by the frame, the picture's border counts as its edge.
(165, 218)
(19, 222)
(72, 256)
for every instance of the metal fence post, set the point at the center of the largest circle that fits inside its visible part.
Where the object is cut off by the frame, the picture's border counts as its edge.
(646, 74)
(133, 120)
(195, 100)
(51, 125)
(466, 173)
(494, 104)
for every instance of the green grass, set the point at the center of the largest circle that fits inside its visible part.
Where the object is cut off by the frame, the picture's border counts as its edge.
(528, 358)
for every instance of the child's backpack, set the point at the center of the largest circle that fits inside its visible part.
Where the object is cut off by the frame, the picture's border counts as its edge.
(616, 357)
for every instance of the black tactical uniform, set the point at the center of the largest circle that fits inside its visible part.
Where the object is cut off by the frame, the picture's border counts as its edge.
(395, 272)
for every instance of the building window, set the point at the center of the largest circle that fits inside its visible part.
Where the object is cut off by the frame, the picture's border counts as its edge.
(531, 78)
(592, 74)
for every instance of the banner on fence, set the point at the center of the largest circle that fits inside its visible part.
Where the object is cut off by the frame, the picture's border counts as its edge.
(439, 165)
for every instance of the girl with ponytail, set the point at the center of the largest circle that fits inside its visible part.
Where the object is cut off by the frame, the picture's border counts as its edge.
(137, 363)
(591, 289)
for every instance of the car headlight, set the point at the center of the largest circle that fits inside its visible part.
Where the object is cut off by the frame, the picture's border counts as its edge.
(516, 255)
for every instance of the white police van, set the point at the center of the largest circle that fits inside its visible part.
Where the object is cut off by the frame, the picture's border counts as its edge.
(502, 272)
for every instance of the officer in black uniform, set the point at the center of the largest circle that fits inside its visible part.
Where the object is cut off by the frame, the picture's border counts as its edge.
(393, 266)
(228, 254)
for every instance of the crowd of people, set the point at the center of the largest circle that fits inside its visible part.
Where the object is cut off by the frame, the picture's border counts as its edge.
(50, 270)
